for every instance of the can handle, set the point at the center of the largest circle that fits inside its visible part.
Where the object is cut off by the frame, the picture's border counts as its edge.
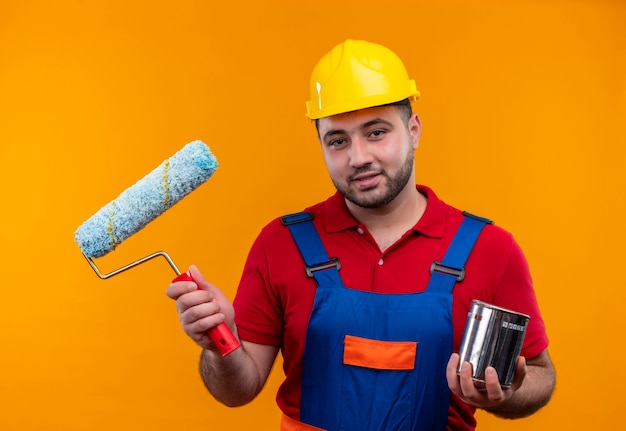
(221, 335)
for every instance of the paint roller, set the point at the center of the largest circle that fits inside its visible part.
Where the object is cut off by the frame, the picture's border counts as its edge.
(138, 205)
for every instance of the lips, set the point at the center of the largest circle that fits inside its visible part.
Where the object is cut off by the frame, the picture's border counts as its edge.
(366, 180)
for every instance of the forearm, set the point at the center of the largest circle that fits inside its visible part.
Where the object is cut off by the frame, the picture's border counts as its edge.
(534, 393)
(233, 380)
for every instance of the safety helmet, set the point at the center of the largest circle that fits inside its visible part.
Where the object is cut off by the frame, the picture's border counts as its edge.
(357, 74)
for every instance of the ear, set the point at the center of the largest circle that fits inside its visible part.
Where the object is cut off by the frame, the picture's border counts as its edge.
(415, 129)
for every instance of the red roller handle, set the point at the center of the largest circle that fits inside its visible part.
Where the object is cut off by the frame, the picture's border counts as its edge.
(221, 335)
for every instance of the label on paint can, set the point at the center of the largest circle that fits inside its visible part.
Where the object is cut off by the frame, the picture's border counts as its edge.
(493, 337)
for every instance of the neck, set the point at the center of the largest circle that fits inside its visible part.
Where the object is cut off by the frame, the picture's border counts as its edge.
(389, 223)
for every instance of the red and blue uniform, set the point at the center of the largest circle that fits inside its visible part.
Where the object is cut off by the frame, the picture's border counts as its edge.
(333, 334)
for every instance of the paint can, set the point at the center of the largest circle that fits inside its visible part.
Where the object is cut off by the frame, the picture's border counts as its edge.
(493, 337)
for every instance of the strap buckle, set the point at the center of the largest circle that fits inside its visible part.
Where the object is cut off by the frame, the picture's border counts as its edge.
(288, 219)
(439, 267)
(479, 218)
(333, 262)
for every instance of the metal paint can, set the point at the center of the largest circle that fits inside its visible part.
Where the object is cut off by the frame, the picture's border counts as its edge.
(493, 337)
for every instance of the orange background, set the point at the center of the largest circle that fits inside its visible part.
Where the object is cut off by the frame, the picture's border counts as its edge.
(523, 112)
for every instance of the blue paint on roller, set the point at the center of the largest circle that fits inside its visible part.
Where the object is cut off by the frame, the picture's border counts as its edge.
(138, 205)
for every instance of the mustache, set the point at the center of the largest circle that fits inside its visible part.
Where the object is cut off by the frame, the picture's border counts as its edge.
(365, 170)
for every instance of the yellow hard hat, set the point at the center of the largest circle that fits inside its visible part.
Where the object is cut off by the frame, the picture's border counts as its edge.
(355, 75)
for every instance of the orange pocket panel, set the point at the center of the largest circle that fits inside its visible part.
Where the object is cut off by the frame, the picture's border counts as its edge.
(382, 355)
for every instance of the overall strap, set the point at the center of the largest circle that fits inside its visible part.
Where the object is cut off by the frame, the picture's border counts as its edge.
(318, 265)
(445, 274)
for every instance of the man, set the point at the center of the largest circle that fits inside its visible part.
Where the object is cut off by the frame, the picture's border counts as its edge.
(354, 292)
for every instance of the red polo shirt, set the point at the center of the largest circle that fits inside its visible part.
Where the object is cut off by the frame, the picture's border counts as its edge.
(275, 297)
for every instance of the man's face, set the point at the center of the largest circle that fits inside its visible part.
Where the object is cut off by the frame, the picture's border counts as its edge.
(369, 154)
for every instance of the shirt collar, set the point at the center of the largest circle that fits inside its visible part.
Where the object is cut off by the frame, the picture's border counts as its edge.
(432, 222)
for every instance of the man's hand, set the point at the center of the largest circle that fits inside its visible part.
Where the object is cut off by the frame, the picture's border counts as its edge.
(200, 306)
(532, 387)
(478, 394)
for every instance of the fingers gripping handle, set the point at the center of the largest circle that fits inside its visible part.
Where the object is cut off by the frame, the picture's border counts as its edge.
(221, 335)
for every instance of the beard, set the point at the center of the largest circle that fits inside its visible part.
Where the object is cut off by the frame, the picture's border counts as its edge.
(391, 187)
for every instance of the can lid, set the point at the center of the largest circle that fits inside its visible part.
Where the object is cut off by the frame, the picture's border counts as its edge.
(478, 303)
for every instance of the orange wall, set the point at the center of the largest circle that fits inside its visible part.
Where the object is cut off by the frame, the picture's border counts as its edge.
(523, 109)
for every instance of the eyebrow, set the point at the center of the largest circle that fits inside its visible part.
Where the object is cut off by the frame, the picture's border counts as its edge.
(367, 124)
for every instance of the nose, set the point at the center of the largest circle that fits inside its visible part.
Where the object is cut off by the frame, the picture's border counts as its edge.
(360, 154)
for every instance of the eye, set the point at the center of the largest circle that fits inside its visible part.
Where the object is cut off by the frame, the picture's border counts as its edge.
(336, 142)
(376, 134)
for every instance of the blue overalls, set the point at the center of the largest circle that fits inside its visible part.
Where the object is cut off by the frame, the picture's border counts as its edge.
(374, 361)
